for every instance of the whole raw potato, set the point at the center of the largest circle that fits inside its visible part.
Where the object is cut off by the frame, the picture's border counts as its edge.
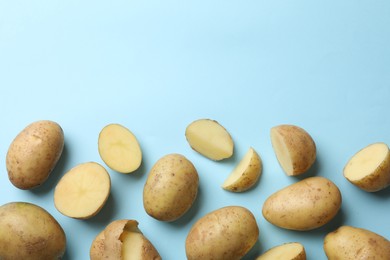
(34, 153)
(352, 243)
(304, 205)
(27, 231)
(227, 233)
(171, 188)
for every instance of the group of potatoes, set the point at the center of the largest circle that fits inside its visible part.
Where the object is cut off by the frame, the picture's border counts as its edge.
(28, 231)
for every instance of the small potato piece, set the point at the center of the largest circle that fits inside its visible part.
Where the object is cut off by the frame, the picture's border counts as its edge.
(288, 251)
(171, 188)
(352, 243)
(83, 191)
(210, 139)
(34, 153)
(246, 173)
(369, 169)
(27, 231)
(122, 239)
(119, 148)
(227, 233)
(304, 205)
(294, 148)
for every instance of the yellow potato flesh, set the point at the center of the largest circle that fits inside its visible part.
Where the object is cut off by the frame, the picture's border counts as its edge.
(366, 161)
(132, 245)
(82, 192)
(246, 174)
(119, 149)
(210, 139)
(289, 251)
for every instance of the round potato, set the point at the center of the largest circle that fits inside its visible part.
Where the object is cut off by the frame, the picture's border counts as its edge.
(227, 233)
(27, 231)
(352, 243)
(34, 153)
(304, 205)
(369, 169)
(122, 239)
(171, 188)
(294, 148)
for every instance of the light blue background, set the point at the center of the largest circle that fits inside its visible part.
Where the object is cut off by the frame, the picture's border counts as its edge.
(155, 66)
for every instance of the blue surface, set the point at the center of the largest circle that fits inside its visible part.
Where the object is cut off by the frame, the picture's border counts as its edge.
(155, 66)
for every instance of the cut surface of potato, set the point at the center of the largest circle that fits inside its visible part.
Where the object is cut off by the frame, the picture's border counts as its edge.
(369, 168)
(294, 148)
(246, 173)
(119, 148)
(210, 139)
(82, 191)
(132, 245)
(288, 251)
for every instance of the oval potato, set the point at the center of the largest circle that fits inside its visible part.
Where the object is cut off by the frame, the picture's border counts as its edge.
(287, 251)
(27, 231)
(34, 153)
(171, 188)
(304, 205)
(226, 233)
(352, 243)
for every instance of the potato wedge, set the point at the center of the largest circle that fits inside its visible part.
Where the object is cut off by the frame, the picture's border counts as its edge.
(122, 239)
(288, 251)
(369, 169)
(294, 148)
(210, 139)
(83, 191)
(246, 173)
(119, 148)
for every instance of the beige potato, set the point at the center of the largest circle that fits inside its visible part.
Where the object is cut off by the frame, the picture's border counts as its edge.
(305, 205)
(171, 188)
(27, 231)
(352, 243)
(288, 251)
(227, 233)
(82, 192)
(119, 148)
(294, 148)
(122, 240)
(34, 153)
(369, 169)
(210, 139)
(246, 173)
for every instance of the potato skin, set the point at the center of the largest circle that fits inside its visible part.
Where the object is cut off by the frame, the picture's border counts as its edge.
(226, 233)
(27, 231)
(305, 205)
(171, 188)
(34, 153)
(352, 243)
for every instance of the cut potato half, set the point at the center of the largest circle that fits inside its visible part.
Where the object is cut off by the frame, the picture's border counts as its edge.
(369, 169)
(119, 148)
(288, 251)
(82, 192)
(246, 173)
(210, 139)
(294, 148)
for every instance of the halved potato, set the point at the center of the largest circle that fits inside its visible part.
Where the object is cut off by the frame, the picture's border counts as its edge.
(294, 148)
(119, 148)
(122, 239)
(83, 191)
(246, 173)
(288, 251)
(210, 139)
(369, 169)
